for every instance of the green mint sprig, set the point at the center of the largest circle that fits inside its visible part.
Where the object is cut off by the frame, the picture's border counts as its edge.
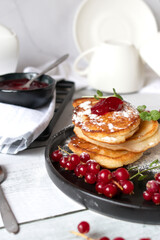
(148, 115)
(99, 95)
(116, 94)
(141, 174)
(141, 108)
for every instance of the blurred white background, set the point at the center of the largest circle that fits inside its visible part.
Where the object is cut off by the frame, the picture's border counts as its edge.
(45, 27)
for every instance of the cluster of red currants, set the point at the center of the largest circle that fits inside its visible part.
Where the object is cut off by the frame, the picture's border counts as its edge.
(152, 192)
(106, 182)
(84, 227)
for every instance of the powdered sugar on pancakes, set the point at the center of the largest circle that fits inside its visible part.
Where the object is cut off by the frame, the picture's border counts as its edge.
(111, 122)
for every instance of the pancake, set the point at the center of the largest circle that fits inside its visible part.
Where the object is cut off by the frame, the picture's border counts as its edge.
(146, 137)
(112, 128)
(105, 157)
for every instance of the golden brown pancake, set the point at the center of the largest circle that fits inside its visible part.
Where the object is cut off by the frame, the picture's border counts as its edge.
(105, 157)
(146, 137)
(112, 128)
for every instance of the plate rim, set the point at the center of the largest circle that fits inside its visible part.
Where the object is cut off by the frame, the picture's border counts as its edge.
(80, 7)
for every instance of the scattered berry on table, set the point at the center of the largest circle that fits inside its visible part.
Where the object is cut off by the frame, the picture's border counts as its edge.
(104, 238)
(83, 227)
(118, 238)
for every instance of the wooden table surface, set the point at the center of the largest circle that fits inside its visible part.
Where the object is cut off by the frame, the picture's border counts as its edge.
(44, 212)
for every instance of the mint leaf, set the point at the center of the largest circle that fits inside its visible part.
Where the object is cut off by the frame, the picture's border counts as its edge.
(145, 116)
(141, 108)
(155, 115)
(95, 96)
(116, 94)
(99, 93)
(148, 116)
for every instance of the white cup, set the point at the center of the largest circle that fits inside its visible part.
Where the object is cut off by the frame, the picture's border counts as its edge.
(113, 65)
(9, 50)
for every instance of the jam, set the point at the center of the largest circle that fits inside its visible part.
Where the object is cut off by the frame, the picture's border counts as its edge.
(17, 84)
(105, 105)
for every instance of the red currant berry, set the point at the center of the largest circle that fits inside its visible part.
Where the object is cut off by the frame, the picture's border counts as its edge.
(107, 105)
(75, 159)
(99, 187)
(145, 239)
(110, 190)
(104, 176)
(127, 186)
(84, 157)
(121, 174)
(90, 178)
(93, 167)
(156, 198)
(76, 171)
(83, 169)
(157, 177)
(104, 238)
(152, 186)
(83, 227)
(63, 161)
(118, 238)
(69, 165)
(147, 196)
(56, 155)
(90, 161)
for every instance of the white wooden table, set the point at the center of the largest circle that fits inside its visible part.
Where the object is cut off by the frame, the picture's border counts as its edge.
(44, 212)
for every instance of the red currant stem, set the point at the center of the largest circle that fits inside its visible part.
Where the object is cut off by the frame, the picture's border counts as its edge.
(81, 235)
(117, 184)
(63, 150)
(140, 172)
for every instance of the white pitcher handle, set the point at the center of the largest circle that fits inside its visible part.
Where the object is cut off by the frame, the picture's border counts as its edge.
(82, 72)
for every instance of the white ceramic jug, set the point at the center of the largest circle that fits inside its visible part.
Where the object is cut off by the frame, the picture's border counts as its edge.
(113, 65)
(9, 50)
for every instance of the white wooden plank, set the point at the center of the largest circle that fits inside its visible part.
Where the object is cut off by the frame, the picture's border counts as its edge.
(59, 228)
(29, 190)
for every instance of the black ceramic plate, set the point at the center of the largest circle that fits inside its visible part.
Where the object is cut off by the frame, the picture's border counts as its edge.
(126, 207)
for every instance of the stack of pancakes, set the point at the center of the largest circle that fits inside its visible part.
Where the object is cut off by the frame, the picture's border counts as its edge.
(114, 139)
